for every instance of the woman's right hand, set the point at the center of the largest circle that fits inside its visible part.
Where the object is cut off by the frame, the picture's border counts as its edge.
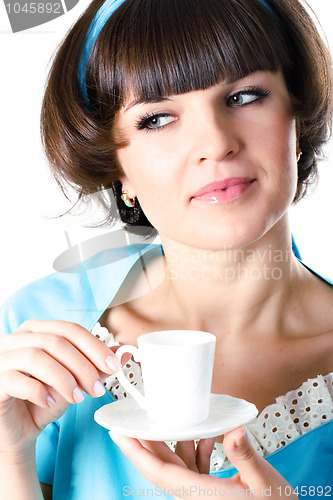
(44, 366)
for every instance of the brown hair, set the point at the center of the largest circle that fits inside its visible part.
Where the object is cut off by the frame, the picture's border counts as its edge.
(157, 48)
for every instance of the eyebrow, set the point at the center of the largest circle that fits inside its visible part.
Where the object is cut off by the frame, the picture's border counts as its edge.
(141, 100)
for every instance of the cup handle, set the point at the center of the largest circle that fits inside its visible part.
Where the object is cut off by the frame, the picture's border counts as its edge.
(140, 399)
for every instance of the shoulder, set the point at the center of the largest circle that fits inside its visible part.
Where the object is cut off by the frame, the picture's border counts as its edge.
(316, 294)
(57, 296)
(327, 352)
(320, 306)
(80, 293)
(311, 325)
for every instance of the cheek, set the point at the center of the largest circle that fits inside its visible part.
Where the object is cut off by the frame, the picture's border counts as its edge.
(288, 147)
(133, 162)
(276, 154)
(281, 143)
(147, 174)
(286, 175)
(153, 158)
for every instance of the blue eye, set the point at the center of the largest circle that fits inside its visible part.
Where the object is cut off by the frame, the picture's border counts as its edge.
(245, 97)
(154, 122)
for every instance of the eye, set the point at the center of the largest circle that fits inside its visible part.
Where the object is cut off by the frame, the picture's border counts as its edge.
(154, 122)
(248, 96)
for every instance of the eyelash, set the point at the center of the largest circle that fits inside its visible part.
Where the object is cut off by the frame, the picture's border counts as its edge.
(260, 92)
(143, 121)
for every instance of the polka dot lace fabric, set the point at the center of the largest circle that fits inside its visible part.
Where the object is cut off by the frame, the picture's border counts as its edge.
(291, 416)
(131, 370)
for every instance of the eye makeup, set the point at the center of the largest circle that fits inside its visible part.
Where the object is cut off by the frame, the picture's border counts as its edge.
(157, 121)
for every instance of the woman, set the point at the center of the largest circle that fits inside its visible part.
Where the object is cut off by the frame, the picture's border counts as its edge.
(206, 119)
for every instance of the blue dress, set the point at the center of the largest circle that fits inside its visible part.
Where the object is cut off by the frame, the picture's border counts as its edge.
(75, 454)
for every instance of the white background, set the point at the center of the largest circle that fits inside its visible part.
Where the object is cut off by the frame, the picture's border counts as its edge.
(31, 240)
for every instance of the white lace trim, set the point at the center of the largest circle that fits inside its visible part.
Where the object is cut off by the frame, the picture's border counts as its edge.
(291, 416)
(131, 369)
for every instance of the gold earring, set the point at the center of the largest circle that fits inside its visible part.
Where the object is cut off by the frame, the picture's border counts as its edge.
(299, 154)
(129, 202)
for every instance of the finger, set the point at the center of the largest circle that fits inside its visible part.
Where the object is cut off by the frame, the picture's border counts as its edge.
(162, 451)
(168, 476)
(125, 357)
(186, 451)
(94, 349)
(14, 384)
(44, 368)
(204, 451)
(53, 412)
(254, 470)
(68, 354)
(62, 351)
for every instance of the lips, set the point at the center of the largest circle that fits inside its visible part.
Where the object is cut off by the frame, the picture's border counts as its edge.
(224, 190)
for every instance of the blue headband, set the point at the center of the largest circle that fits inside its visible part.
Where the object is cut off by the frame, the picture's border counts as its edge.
(97, 24)
(265, 4)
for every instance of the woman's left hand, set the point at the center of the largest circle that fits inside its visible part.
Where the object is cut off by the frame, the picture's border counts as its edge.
(184, 474)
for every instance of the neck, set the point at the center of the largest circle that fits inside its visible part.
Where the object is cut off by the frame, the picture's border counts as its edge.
(233, 290)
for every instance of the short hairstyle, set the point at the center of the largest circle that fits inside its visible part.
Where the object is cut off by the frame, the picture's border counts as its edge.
(155, 48)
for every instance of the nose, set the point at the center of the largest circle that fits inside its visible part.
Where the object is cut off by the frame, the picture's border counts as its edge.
(215, 139)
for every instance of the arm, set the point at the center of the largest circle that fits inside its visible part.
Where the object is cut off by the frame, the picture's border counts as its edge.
(18, 477)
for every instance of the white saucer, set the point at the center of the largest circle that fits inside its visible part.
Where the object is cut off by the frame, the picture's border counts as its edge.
(127, 418)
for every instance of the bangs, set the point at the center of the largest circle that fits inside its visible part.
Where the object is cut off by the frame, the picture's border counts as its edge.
(150, 49)
(175, 46)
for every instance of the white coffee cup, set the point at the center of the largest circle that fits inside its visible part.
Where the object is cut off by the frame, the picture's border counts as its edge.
(177, 369)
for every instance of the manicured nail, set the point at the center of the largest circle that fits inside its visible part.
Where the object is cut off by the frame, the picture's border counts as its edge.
(113, 363)
(98, 388)
(51, 402)
(78, 395)
(241, 440)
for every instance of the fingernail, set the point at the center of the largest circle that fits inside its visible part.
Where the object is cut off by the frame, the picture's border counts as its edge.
(241, 440)
(98, 388)
(51, 402)
(78, 395)
(113, 363)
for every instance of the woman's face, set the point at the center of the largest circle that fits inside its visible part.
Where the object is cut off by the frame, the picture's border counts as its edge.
(212, 168)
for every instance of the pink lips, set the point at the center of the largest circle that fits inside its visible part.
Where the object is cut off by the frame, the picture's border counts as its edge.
(224, 191)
